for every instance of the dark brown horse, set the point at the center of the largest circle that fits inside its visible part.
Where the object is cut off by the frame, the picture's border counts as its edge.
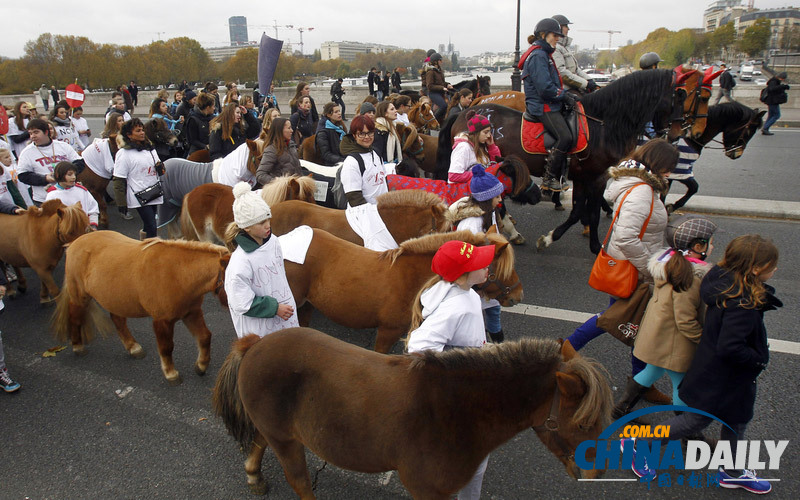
(619, 113)
(432, 417)
(97, 185)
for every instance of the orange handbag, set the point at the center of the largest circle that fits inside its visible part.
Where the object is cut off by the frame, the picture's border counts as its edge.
(617, 277)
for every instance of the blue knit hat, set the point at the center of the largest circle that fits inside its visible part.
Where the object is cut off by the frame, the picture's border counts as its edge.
(484, 186)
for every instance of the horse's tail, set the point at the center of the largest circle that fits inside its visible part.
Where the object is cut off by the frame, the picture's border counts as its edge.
(445, 149)
(226, 400)
(188, 229)
(94, 319)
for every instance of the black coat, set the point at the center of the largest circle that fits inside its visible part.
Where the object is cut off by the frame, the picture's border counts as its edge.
(197, 130)
(327, 145)
(776, 92)
(303, 126)
(217, 148)
(396, 81)
(314, 113)
(732, 352)
(371, 77)
(726, 80)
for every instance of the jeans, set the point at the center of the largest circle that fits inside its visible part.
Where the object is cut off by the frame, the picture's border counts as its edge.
(491, 316)
(438, 99)
(148, 215)
(726, 93)
(46, 104)
(772, 116)
(340, 102)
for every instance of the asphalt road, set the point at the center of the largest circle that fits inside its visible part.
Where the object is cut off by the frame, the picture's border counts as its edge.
(68, 434)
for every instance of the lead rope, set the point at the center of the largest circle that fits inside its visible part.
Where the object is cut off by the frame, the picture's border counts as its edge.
(316, 474)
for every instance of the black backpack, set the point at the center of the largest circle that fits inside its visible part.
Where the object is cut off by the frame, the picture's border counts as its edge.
(337, 191)
(764, 95)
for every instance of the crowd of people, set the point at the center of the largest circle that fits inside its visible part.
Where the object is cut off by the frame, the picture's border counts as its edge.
(703, 326)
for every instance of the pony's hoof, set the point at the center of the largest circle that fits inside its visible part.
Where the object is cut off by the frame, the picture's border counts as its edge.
(585, 231)
(517, 240)
(137, 352)
(79, 350)
(200, 370)
(175, 381)
(259, 488)
(559, 208)
(541, 243)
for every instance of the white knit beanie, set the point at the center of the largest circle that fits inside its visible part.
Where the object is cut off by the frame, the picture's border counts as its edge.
(248, 206)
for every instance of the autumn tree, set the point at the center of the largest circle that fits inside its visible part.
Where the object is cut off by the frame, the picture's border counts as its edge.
(722, 39)
(755, 39)
(243, 66)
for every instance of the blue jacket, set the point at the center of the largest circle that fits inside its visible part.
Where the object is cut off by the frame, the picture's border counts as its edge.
(540, 80)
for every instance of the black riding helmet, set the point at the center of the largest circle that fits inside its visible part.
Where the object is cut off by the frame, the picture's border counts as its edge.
(436, 57)
(547, 25)
(562, 20)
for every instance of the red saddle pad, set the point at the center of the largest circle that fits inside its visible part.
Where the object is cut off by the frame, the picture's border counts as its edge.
(532, 135)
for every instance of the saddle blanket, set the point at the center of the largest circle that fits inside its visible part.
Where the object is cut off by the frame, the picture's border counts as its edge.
(450, 193)
(532, 135)
(295, 243)
(367, 223)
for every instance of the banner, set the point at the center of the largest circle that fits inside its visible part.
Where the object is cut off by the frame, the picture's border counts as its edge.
(268, 53)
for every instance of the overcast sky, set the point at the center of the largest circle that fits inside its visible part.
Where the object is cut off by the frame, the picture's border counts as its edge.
(473, 26)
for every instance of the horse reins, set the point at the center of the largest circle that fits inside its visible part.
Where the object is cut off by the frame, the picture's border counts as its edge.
(738, 144)
(550, 424)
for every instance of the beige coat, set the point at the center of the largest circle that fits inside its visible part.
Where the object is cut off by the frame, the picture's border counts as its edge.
(673, 322)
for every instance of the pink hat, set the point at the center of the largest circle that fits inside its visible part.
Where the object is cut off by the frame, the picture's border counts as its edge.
(477, 122)
(455, 258)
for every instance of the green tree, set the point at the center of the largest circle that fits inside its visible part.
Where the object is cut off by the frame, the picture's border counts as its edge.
(755, 39)
(454, 62)
(723, 38)
(790, 39)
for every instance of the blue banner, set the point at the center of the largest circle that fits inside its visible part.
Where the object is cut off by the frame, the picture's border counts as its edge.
(268, 53)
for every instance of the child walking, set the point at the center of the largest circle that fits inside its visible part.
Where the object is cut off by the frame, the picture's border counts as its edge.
(70, 192)
(447, 314)
(673, 322)
(478, 213)
(259, 297)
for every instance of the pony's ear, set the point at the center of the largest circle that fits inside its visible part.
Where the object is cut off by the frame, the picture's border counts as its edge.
(498, 249)
(570, 385)
(567, 351)
(294, 187)
(761, 113)
(252, 145)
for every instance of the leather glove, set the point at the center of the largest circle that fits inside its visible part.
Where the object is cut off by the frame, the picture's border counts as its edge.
(570, 99)
(591, 86)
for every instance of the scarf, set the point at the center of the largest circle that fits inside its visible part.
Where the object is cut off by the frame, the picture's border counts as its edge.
(332, 126)
(393, 149)
(349, 146)
(62, 122)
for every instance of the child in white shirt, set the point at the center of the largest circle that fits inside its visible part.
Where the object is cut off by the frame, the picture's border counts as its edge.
(71, 192)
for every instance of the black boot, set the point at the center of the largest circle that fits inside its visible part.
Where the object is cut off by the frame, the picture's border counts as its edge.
(555, 166)
(498, 337)
(633, 393)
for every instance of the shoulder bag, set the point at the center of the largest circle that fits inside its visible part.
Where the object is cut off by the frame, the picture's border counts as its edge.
(617, 277)
(150, 193)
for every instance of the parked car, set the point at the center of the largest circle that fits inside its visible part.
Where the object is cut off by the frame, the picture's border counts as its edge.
(599, 78)
(761, 81)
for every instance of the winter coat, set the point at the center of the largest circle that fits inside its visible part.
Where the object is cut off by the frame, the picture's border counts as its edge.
(327, 145)
(624, 242)
(541, 81)
(197, 130)
(567, 65)
(218, 148)
(732, 352)
(336, 91)
(396, 81)
(371, 82)
(776, 92)
(314, 113)
(387, 143)
(726, 80)
(303, 126)
(434, 80)
(673, 322)
(273, 166)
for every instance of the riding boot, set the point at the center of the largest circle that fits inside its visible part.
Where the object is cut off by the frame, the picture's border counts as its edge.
(498, 337)
(633, 393)
(653, 395)
(555, 165)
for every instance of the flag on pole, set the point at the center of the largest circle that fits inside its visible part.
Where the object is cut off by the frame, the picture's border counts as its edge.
(268, 52)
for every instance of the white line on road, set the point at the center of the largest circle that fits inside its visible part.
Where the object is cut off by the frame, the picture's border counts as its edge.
(784, 346)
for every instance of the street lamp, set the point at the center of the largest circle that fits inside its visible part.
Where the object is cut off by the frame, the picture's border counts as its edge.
(515, 79)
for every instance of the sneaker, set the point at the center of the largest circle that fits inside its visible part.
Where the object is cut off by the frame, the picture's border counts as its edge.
(6, 383)
(10, 274)
(766, 132)
(644, 471)
(747, 480)
(551, 184)
(126, 215)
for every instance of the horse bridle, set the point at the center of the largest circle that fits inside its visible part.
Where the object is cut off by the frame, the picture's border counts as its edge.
(550, 424)
(492, 280)
(740, 142)
(220, 284)
(690, 118)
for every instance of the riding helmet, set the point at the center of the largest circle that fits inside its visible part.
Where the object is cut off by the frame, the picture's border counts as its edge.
(548, 25)
(685, 230)
(649, 59)
(562, 20)
(436, 57)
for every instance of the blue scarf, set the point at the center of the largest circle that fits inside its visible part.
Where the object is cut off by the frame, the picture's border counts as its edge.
(330, 125)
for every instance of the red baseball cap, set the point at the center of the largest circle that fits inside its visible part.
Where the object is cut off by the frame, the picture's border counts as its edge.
(455, 258)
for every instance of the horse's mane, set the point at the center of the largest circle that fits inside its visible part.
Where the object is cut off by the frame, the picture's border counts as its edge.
(187, 245)
(406, 197)
(278, 189)
(532, 357)
(730, 112)
(625, 106)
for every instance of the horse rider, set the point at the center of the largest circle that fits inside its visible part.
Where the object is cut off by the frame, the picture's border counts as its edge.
(545, 96)
(434, 81)
(649, 60)
(566, 63)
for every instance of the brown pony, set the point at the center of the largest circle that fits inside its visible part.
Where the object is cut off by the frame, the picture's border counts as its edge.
(97, 185)
(208, 209)
(200, 156)
(165, 280)
(508, 98)
(422, 117)
(37, 238)
(407, 214)
(433, 417)
(360, 288)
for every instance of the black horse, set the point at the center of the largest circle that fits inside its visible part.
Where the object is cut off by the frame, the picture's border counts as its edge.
(617, 115)
(164, 139)
(737, 123)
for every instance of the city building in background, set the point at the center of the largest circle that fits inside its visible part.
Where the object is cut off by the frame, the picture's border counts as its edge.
(721, 12)
(349, 50)
(238, 29)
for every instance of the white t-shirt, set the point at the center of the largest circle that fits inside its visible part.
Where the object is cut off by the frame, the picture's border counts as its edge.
(125, 115)
(452, 318)
(233, 168)
(97, 157)
(73, 195)
(13, 130)
(68, 134)
(138, 167)
(42, 161)
(372, 183)
(402, 118)
(259, 273)
(81, 124)
(5, 195)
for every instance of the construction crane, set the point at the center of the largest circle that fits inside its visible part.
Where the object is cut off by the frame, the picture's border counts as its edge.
(159, 33)
(301, 30)
(610, 34)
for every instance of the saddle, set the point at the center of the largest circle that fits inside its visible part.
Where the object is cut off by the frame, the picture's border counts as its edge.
(536, 140)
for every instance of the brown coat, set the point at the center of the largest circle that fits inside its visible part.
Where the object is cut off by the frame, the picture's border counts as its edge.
(434, 80)
(673, 322)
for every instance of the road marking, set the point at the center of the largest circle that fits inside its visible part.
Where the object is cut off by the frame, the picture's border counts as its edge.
(783, 346)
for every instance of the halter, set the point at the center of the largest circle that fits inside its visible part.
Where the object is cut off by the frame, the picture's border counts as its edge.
(220, 284)
(550, 425)
(492, 280)
(697, 96)
(740, 142)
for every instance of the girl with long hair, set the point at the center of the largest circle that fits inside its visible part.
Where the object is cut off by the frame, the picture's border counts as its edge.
(280, 153)
(387, 143)
(17, 128)
(230, 129)
(328, 139)
(160, 109)
(302, 120)
(303, 90)
(460, 101)
(476, 145)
